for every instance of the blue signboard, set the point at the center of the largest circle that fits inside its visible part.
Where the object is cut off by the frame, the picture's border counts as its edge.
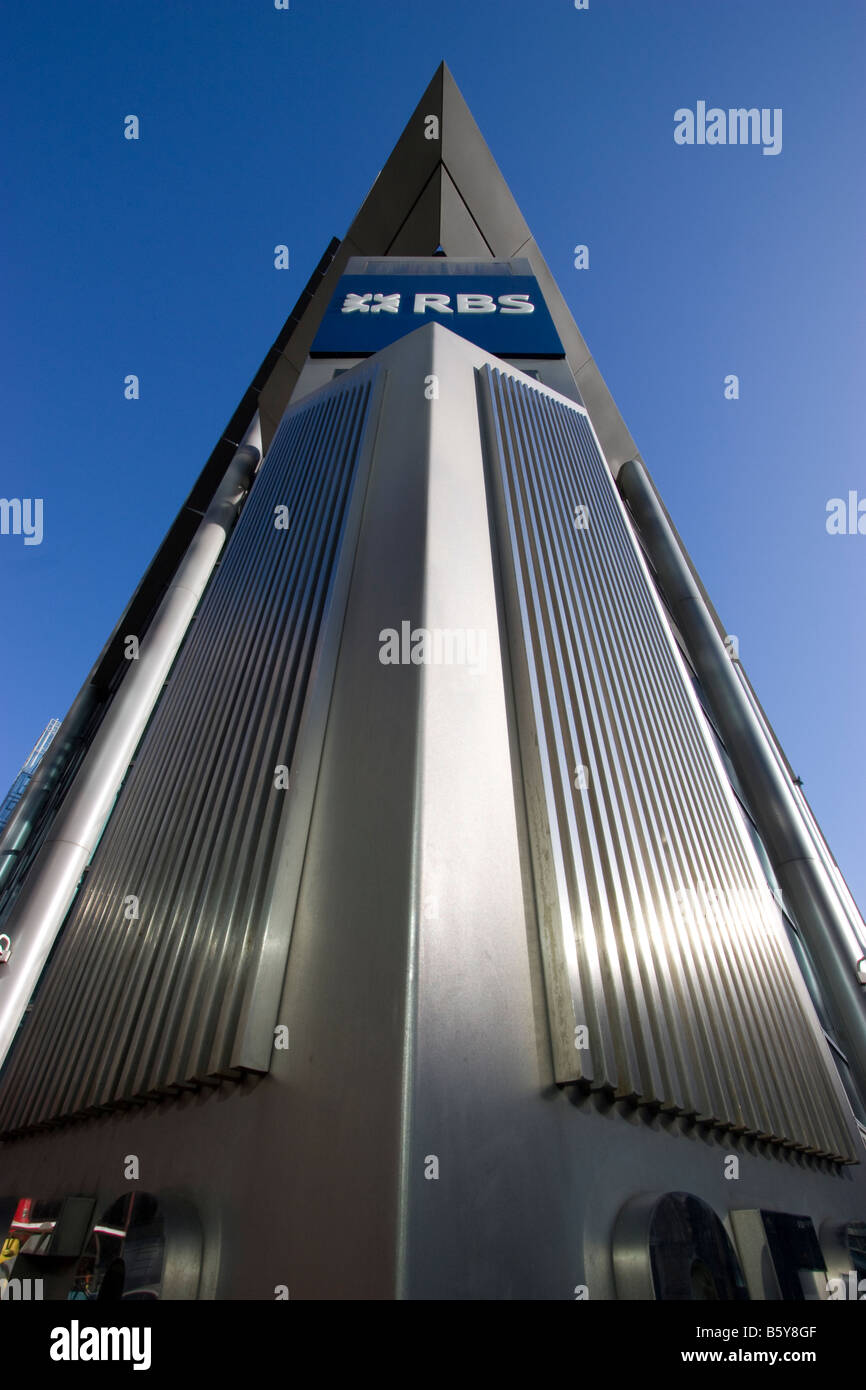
(505, 315)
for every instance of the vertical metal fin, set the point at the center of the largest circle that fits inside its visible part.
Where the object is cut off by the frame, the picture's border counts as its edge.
(130, 1007)
(661, 942)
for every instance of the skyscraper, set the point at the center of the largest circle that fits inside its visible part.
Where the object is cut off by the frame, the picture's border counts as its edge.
(417, 902)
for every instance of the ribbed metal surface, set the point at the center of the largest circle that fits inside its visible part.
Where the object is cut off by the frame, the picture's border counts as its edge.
(132, 1008)
(659, 938)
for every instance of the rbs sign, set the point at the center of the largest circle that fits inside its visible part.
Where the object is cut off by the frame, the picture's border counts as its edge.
(506, 315)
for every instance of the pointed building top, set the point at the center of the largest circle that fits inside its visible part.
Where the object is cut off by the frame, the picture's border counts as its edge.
(419, 203)
(441, 192)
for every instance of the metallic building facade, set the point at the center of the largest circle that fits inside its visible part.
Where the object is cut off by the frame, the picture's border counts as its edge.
(430, 910)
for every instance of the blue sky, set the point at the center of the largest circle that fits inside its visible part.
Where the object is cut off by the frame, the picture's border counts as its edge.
(261, 127)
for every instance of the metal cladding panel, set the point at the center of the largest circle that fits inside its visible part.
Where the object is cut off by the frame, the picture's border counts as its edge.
(668, 973)
(131, 1006)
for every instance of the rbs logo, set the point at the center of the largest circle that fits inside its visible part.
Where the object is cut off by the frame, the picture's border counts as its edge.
(505, 314)
(440, 303)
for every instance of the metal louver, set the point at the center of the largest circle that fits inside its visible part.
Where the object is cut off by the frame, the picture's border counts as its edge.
(668, 974)
(137, 1006)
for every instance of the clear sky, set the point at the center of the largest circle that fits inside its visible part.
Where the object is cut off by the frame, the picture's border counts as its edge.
(261, 126)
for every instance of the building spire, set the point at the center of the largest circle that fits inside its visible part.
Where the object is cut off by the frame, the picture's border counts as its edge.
(441, 189)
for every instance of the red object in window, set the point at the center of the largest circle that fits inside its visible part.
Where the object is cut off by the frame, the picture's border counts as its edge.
(22, 1211)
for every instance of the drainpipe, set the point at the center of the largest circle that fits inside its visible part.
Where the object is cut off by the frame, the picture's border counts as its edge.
(802, 875)
(52, 882)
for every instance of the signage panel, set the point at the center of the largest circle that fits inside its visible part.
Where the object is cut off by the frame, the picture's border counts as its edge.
(506, 315)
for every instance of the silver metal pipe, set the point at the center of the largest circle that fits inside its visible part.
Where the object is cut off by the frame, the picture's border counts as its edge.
(51, 885)
(802, 875)
(857, 927)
